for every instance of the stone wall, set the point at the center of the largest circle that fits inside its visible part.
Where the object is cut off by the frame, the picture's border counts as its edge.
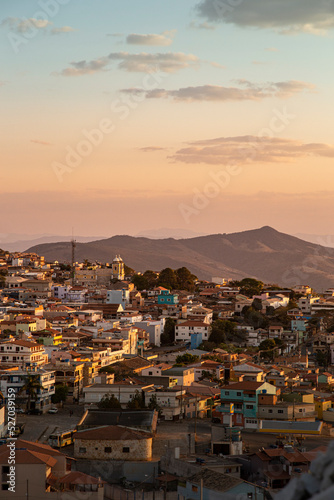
(140, 449)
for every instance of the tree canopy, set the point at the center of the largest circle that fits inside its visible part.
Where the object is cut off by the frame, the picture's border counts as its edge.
(109, 401)
(249, 286)
(60, 395)
(186, 359)
(168, 336)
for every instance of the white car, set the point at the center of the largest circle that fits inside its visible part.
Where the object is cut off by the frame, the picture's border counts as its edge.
(53, 410)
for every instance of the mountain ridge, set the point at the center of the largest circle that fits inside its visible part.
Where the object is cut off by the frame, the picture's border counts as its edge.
(263, 253)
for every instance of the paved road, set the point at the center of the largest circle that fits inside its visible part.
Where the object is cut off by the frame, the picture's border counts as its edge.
(39, 427)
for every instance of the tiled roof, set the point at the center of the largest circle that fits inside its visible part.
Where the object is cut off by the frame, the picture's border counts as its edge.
(76, 477)
(112, 433)
(251, 386)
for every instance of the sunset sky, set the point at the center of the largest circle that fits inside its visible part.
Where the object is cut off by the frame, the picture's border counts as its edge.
(119, 116)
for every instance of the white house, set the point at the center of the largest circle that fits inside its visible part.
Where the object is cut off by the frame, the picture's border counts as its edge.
(22, 353)
(184, 330)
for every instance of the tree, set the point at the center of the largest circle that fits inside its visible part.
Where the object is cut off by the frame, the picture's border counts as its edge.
(268, 347)
(249, 286)
(140, 282)
(107, 369)
(222, 331)
(32, 388)
(109, 401)
(168, 336)
(128, 271)
(151, 277)
(254, 318)
(137, 402)
(186, 359)
(153, 404)
(168, 278)
(60, 395)
(186, 280)
(323, 358)
(257, 304)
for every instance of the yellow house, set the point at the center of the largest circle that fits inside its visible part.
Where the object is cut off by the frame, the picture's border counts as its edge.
(321, 405)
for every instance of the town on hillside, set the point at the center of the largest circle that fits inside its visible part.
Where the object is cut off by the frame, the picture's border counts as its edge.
(159, 385)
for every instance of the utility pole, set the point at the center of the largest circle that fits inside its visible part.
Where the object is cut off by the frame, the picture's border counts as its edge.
(73, 244)
(195, 422)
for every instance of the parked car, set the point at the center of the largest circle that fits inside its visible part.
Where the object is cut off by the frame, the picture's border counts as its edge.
(19, 410)
(34, 411)
(53, 410)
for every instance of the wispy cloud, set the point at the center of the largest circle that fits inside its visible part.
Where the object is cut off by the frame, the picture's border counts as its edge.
(294, 16)
(41, 143)
(246, 91)
(22, 26)
(250, 149)
(151, 149)
(259, 63)
(202, 26)
(81, 68)
(165, 39)
(63, 29)
(170, 62)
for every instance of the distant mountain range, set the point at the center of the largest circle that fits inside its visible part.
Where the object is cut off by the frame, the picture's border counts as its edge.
(19, 243)
(263, 253)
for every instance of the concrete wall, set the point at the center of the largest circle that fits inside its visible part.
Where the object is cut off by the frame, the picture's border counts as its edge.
(113, 470)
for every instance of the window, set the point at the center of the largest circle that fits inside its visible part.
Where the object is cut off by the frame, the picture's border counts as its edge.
(227, 393)
(270, 411)
(238, 393)
(150, 373)
(280, 411)
(194, 489)
(5, 469)
(107, 449)
(126, 449)
(300, 410)
(82, 450)
(249, 407)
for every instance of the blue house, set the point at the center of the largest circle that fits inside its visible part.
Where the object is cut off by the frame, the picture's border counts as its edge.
(244, 398)
(165, 297)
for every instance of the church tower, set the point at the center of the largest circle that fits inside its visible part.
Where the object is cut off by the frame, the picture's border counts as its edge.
(118, 268)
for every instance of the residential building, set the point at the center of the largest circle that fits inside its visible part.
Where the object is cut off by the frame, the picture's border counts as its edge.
(184, 330)
(241, 401)
(165, 297)
(17, 378)
(22, 353)
(113, 442)
(41, 472)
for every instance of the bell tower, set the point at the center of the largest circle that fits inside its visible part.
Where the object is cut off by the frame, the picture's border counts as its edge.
(118, 268)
